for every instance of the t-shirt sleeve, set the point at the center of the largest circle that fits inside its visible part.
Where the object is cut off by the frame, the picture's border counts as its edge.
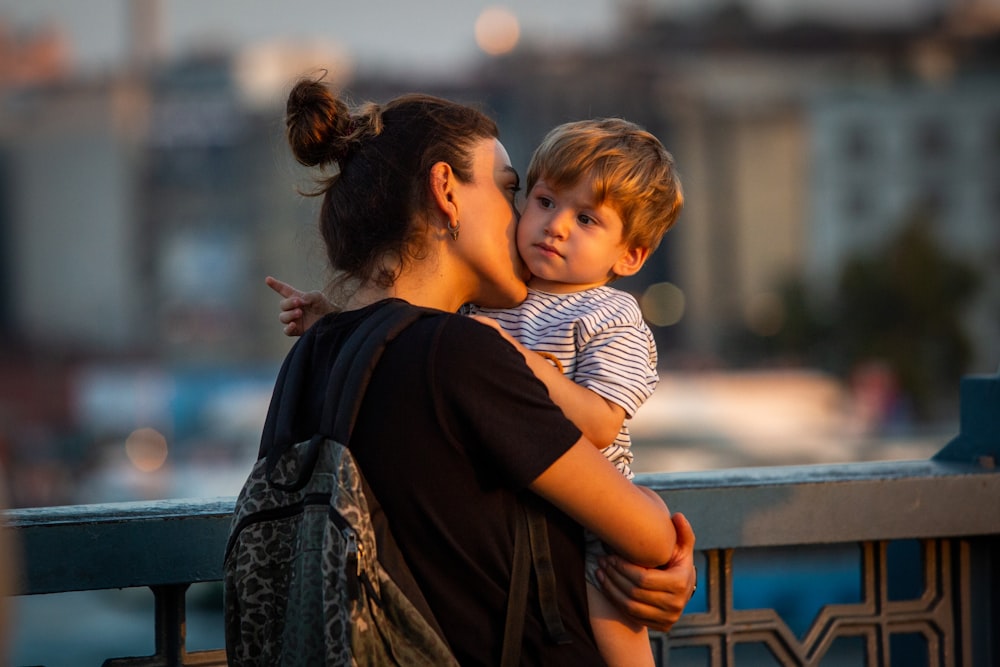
(498, 410)
(617, 359)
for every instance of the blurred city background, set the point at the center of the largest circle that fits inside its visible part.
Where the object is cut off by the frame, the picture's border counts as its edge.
(835, 272)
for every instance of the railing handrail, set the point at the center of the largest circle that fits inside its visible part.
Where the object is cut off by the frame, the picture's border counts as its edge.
(121, 545)
(833, 503)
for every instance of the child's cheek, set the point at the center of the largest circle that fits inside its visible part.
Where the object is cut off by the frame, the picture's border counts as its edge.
(521, 235)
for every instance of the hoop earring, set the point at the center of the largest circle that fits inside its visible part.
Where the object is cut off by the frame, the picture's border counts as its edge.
(453, 230)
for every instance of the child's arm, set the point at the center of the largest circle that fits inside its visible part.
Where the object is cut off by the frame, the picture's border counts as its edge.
(599, 419)
(299, 310)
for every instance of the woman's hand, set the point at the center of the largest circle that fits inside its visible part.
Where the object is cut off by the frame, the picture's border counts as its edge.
(299, 310)
(653, 597)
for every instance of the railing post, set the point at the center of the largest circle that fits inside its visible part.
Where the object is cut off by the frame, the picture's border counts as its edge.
(978, 440)
(171, 635)
(171, 622)
(169, 612)
(978, 443)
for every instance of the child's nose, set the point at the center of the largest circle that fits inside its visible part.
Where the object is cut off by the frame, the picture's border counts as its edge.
(557, 226)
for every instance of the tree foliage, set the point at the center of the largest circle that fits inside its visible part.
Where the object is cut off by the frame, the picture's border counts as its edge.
(903, 306)
(900, 305)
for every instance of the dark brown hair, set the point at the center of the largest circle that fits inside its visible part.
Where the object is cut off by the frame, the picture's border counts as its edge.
(381, 157)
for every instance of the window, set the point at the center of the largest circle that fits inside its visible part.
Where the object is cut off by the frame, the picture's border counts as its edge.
(859, 145)
(933, 140)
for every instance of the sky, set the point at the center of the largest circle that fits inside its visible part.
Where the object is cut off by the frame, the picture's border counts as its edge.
(430, 35)
(435, 34)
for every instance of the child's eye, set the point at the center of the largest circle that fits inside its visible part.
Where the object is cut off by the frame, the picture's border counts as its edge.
(586, 220)
(545, 202)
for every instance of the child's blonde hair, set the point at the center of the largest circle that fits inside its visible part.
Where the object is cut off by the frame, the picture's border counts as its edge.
(629, 170)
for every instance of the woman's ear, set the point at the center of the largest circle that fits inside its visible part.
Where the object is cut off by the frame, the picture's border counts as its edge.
(630, 262)
(442, 186)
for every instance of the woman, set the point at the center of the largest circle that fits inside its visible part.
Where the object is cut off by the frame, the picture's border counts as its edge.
(454, 425)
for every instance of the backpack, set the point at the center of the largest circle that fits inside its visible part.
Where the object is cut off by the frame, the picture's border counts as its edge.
(304, 581)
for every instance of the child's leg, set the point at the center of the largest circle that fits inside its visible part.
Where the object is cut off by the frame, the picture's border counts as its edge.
(622, 642)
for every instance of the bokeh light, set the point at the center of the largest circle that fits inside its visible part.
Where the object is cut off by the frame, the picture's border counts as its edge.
(663, 304)
(497, 30)
(146, 449)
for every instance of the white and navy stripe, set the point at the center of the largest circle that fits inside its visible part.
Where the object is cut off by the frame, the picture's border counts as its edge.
(602, 341)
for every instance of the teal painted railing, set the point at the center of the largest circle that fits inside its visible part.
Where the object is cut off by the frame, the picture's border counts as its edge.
(900, 561)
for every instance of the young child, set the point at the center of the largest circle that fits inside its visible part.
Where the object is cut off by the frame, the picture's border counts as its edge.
(601, 194)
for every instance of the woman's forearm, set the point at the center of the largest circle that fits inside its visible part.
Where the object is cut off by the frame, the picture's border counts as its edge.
(633, 521)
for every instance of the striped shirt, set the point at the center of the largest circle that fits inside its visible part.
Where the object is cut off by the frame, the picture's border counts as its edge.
(600, 338)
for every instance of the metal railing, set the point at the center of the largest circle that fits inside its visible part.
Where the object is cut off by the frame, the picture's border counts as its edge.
(900, 561)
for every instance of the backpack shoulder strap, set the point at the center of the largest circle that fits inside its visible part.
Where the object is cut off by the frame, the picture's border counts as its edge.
(345, 388)
(531, 552)
(355, 363)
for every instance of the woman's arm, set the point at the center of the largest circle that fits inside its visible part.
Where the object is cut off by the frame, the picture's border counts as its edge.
(581, 482)
(654, 597)
(633, 523)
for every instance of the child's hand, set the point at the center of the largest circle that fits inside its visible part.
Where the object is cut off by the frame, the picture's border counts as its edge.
(299, 310)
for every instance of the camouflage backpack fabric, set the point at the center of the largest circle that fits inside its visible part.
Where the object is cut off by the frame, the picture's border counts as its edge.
(303, 584)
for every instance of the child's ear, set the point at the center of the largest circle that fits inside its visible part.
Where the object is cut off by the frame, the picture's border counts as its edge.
(630, 262)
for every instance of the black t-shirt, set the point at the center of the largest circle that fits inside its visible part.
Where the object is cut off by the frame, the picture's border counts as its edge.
(452, 426)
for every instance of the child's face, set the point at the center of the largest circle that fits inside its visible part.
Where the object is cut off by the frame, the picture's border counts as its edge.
(569, 243)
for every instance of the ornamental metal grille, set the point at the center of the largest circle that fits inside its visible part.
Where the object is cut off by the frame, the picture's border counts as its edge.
(908, 607)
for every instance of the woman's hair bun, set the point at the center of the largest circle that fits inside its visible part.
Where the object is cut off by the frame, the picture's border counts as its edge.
(319, 125)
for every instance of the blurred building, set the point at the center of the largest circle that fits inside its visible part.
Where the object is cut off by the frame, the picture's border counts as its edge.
(139, 213)
(883, 155)
(71, 155)
(808, 144)
(206, 185)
